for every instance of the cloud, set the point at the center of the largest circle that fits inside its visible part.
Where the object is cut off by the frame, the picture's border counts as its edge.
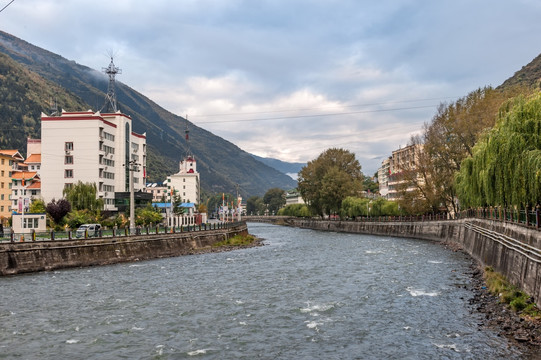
(288, 79)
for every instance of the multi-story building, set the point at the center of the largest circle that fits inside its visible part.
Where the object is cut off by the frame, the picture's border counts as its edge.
(33, 155)
(93, 148)
(26, 186)
(294, 197)
(185, 183)
(9, 162)
(158, 190)
(402, 160)
(383, 177)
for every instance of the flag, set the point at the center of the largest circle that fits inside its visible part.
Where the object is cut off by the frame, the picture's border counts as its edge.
(22, 182)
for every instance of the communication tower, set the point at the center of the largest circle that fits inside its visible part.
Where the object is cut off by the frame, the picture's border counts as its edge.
(110, 98)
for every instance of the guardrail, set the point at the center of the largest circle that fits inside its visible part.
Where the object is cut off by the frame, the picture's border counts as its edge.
(52, 235)
(526, 250)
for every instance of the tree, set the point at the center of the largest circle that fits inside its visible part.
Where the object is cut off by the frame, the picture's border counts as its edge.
(327, 180)
(274, 199)
(148, 215)
(298, 210)
(177, 208)
(58, 209)
(447, 140)
(77, 218)
(505, 168)
(37, 206)
(202, 208)
(83, 196)
(255, 206)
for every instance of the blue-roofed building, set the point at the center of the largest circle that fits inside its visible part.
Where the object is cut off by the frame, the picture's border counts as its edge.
(189, 217)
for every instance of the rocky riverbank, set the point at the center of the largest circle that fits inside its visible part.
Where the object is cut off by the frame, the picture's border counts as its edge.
(524, 333)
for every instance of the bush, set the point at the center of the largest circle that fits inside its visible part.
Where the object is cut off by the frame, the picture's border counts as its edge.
(298, 210)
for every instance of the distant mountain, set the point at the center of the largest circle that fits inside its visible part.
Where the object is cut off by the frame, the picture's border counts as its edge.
(222, 164)
(529, 75)
(282, 166)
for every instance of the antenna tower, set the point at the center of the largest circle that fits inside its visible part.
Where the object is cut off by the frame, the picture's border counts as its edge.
(54, 106)
(187, 132)
(110, 98)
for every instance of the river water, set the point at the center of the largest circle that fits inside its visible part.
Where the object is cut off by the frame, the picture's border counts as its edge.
(304, 295)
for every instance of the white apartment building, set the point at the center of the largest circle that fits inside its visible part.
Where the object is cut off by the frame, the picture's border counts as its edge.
(93, 148)
(383, 177)
(403, 159)
(185, 183)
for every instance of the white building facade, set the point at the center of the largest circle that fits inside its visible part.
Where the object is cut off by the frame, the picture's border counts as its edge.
(92, 148)
(185, 183)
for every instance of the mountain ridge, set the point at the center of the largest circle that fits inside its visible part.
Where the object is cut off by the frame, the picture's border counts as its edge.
(222, 164)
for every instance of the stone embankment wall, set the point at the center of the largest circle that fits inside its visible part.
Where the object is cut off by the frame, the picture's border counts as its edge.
(511, 249)
(24, 257)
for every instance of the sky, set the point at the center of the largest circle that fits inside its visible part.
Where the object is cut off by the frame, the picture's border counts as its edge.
(289, 79)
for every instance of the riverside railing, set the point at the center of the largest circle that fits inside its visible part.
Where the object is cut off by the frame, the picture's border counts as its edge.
(530, 218)
(52, 235)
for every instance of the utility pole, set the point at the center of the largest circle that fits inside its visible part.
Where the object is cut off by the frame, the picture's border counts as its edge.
(133, 166)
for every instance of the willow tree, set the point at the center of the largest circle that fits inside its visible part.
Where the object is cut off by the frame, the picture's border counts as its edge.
(450, 138)
(505, 167)
(83, 196)
(324, 182)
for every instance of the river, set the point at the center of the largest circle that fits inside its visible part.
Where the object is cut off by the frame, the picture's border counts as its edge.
(303, 295)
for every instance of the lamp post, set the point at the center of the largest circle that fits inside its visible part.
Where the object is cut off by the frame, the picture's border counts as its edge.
(133, 166)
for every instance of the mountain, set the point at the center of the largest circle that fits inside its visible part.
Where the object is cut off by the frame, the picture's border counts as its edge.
(529, 75)
(222, 164)
(282, 166)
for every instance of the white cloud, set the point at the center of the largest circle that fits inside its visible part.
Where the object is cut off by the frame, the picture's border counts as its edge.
(385, 64)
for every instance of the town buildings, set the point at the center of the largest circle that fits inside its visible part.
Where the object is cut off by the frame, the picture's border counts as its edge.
(93, 148)
(401, 161)
(158, 190)
(9, 161)
(383, 177)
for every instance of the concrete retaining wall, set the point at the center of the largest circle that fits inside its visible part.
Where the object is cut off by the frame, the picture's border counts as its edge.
(24, 257)
(512, 250)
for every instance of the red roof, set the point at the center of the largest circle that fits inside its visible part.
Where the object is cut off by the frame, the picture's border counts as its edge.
(34, 158)
(12, 153)
(34, 185)
(27, 175)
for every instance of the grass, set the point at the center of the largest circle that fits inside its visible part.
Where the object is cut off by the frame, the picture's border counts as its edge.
(237, 240)
(509, 294)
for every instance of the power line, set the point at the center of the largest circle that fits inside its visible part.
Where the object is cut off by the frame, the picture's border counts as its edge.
(324, 107)
(6, 5)
(317, 115)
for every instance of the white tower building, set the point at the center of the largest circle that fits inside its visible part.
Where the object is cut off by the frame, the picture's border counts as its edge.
(185, 183)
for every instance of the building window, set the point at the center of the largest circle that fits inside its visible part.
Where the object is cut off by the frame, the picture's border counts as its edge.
(2, 172)
(2, 186)
(68, 159)
(68, 173)
(15, 192)
(68, 185)
(2, 197)
(2, 161)
(68, 146)
(2, 208)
